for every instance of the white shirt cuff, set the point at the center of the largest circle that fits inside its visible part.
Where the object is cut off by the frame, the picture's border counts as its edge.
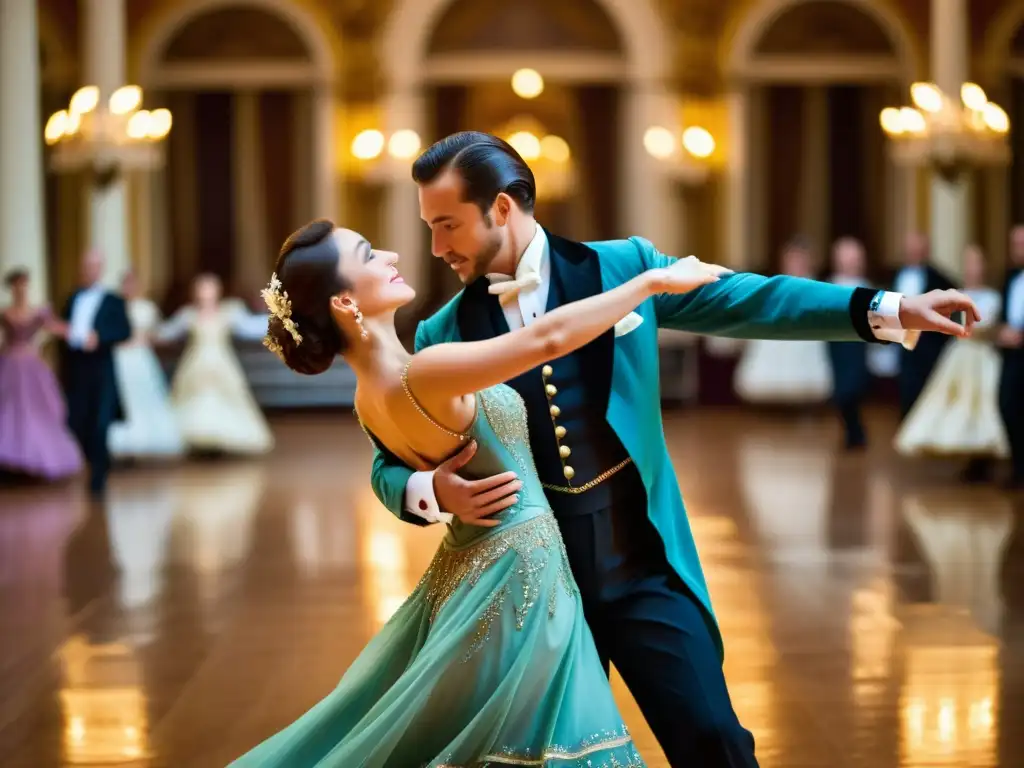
(885, 321)
(420, 499)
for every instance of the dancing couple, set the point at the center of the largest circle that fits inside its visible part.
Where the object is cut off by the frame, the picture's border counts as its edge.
(529, 412)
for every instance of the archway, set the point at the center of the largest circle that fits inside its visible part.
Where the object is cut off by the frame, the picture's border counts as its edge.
(616, 47)
(244, 79)
(809, 78)
(1001, 203)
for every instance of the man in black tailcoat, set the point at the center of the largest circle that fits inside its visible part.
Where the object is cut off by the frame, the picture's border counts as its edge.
(97, 320)
(917, 276)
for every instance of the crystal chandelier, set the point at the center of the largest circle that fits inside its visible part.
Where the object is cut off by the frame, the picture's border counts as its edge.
(107, 138)
(947, 135)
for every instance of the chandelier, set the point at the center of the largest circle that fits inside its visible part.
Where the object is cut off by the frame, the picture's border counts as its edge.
(949, 136)
(107, 138)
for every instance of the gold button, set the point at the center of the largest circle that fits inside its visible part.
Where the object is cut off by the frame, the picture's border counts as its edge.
(550, 389)
(563, 451)
(568, 472)
(546, 371)
(559, 432)
(555, 410)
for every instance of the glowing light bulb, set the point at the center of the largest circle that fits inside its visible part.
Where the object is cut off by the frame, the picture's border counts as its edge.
(995, 118)
(125, 99)
(527, 83)
(56, 127)
(404, 144)
(139, 125)
(555, 149)
(367, 144)
(892, 121)
(698, 142)
(526, 144)
(659, 142)
(85, 99)
(160, 122)
(973, 96)
(912, 120)
(926, 97)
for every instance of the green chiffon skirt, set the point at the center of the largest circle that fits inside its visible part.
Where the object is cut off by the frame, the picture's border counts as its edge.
(488, 663)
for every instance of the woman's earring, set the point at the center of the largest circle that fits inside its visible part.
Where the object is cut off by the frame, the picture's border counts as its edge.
(362, 331)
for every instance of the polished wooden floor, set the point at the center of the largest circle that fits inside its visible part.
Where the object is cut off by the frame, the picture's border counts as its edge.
(873, 609)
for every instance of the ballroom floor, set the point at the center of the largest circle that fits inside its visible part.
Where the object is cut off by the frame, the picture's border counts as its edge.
(873, 609)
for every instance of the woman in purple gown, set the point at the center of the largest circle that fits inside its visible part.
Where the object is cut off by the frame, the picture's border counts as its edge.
(34, 437)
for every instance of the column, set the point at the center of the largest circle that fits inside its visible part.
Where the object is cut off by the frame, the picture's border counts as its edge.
(325, 164)
(743, 213)
(950, 201)
(404, 233)
(646, 188)
(160, 274)
(252, 251)
(815, 172)
(103, 46)
(22, 225)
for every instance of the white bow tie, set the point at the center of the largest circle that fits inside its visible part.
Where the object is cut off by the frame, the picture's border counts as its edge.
(507, 289)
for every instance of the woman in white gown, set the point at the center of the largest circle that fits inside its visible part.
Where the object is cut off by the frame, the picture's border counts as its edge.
(214, 406)
(957, 414)
(785, 372)
(149, 429)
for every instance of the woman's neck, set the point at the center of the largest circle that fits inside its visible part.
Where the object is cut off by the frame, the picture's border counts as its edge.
(381, 355)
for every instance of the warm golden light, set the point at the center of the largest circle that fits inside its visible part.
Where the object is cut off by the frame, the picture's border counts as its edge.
(659, 142)
(160, 122)
(912, 120)
(698, 142)
(891, 121)
(85, 100)
(926, 97)
(527, 83)
(404, 144)
(526, 144)
(995, 118)
(973, 96)
(56, 127)
(555, 149)
(125, 100)
(139, 125)
(367, 145)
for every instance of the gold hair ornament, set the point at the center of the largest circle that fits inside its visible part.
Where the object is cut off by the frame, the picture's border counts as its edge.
(280, 306)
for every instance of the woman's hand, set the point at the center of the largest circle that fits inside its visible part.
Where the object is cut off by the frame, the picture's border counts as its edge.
(684, 275)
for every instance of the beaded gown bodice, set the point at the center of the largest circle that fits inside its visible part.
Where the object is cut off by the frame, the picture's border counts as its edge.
(503, 445)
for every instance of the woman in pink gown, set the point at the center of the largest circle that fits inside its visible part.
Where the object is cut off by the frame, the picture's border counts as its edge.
(34, 437)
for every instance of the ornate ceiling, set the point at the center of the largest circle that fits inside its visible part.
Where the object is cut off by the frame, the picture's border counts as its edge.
(697, 31)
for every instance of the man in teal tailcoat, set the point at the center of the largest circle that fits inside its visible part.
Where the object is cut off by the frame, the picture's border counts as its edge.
(595, 423)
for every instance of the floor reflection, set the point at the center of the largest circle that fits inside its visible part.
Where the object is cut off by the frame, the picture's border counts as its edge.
(872, 611)
(103, 704)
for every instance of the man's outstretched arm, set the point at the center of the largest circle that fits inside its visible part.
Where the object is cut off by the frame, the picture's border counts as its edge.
(749, 306)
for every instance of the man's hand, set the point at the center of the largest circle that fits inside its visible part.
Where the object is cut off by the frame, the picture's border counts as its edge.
(473, 500)
(91, 342)
(1010, 337)
(932, 311)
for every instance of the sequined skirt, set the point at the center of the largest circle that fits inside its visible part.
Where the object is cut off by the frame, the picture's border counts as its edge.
(488, 663)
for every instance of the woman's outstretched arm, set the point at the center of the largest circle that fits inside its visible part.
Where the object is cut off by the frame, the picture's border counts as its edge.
(453, 370)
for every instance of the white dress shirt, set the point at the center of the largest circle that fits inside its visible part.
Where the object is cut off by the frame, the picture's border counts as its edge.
(531, 304)
(83, 314)
(911, 281)
(1015, 302)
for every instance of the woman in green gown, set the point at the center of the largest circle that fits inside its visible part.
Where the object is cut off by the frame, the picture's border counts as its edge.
(489, 662)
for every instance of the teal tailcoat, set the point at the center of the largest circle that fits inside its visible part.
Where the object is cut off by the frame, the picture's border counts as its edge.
(745, 306)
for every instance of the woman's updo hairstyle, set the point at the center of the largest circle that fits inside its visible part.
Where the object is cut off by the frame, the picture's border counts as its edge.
(307, 268)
